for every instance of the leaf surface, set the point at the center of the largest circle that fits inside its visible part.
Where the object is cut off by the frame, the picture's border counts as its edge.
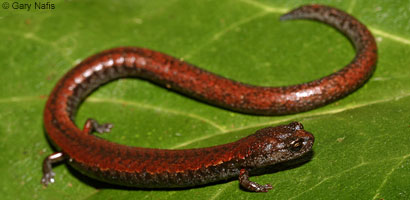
(361, 149)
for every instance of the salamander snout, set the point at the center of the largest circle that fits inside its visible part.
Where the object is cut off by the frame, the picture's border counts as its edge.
(301, 141)
(295, 141)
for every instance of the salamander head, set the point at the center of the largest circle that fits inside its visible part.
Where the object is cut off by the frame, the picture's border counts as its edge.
(273, 145)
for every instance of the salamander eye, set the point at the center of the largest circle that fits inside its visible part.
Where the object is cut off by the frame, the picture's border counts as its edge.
(296, 145)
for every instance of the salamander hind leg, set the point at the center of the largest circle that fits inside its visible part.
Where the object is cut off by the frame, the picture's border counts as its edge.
(92, 125)
(48, 174)
(250, 185)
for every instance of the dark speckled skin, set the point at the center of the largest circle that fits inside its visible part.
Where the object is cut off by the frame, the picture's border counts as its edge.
(156, 168)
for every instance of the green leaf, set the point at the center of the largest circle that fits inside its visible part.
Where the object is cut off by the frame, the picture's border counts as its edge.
(362, 142)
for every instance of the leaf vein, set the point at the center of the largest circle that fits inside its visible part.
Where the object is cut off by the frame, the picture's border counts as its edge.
(352, 5)
(330, 177)
(219, 34)
(147, 106)
(35, 38)
(377, 193)
(293, 117)
(394, 37)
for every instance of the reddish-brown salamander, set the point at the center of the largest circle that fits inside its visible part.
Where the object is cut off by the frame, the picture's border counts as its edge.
(158, 168)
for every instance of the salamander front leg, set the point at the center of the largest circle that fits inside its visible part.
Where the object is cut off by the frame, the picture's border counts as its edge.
(48, 174)
(252, 186)
(92, 125)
